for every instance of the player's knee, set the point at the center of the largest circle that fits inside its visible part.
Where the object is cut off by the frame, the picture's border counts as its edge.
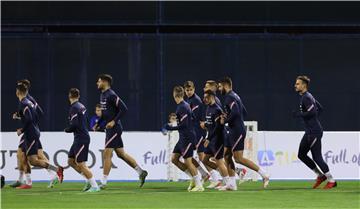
(121, 155)
(33, 161)
(239, 159)
(174, 159)
(71, 162)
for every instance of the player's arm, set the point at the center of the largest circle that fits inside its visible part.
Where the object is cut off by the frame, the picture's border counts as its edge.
(309, 106)
(319, 106)
(183, 123)
(27, 119)
(73, 121)
(244, 110)
(233, 111)
(39, 110)
(120, 107)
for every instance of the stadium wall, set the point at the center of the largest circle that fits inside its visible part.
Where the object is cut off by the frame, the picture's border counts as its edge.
(276, 152)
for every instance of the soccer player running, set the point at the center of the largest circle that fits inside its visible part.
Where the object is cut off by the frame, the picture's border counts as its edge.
(198, 109)
(212, 85)
(186, 144)
(113, 109)
(23, 164)
(29, 120)
(233, 115)
(311, 141)
(78, 154)
(214, 142)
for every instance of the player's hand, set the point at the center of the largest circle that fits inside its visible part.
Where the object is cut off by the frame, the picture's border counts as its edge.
(16, 116)
(222, 120)
(19, 131)
(202, 124)
(110, 124)
(206, 143)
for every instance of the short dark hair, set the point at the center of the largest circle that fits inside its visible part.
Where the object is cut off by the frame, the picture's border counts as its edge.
(98, 106)
(26, 82)
(304, 79)
(209, 92)
(106, 77)
(189, 84)
(212, 83)
(74, 93)
(22, 88)
(226, 80)
(179, 91)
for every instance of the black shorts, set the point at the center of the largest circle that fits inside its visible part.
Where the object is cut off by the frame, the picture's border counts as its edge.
(113, 138)
(235, 140)
(22, 144)
(79, 152)
(185, 148)
(31, 146)
(40, 145)
(216, 148)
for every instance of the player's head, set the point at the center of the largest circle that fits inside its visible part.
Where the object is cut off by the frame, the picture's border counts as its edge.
(225, 85)
(104, 81)
(302, 83)
(178, 93)
(172, 118)
(26, 82)
(74, 95)
(209, 97)
(98, 110)
(21, 91)
(210, 85)
(189, 88)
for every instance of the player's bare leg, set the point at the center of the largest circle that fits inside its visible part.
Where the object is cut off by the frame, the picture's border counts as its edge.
(223, 171)
(21, 160)
(89, 176)
(195, 175)
(175, 159)
(120, 152)
(56, 172)
(211, 167)
(72, 163)
(230, 165)
(204, 174)
(239, 158)
(107, 155)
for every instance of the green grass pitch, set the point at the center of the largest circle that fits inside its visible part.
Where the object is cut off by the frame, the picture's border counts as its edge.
(280, 194)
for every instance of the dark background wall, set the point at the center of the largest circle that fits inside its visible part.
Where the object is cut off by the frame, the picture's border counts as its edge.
(148, 47)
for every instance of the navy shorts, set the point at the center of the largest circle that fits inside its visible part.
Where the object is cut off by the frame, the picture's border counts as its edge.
(22, 144)
(31, 146)
(185, 148)
(200, 139)
(216, 148)
(235, 140)
(113, 137)
(79, 152)
(40, 145)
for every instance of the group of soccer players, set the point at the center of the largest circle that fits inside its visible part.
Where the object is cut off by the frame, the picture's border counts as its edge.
(30, 149)
(213, 128)
(217, 132)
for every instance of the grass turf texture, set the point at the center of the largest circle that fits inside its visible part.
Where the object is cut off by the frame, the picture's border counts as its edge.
(280, 194)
